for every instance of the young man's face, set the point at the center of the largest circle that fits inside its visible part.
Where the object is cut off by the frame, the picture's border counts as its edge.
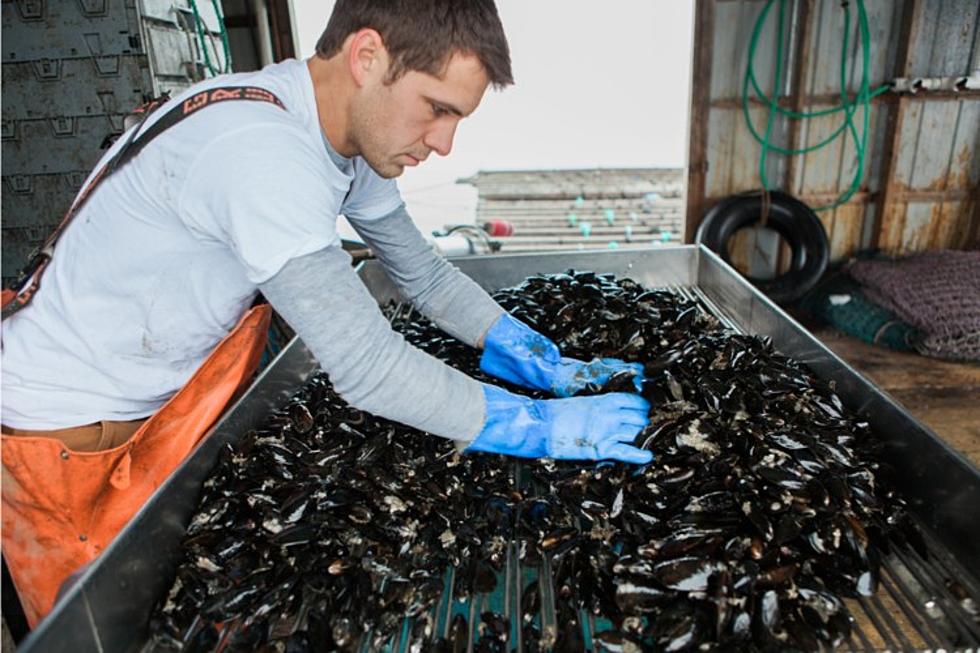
(400, 124)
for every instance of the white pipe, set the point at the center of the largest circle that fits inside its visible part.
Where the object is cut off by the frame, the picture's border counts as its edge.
(933, 84)
(901, 85)
(263, 35)
(917, 84)
(971, 83)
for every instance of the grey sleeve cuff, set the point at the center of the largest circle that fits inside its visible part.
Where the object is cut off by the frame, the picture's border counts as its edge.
(437, 288)
(371, 366)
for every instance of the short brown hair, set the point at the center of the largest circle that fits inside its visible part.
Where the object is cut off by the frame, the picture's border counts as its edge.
(422, 35)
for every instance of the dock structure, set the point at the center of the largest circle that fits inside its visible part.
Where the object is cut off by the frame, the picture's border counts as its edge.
(553, 210)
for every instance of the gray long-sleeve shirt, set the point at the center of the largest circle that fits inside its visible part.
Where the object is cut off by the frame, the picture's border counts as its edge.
(371, 366)
(437, 288)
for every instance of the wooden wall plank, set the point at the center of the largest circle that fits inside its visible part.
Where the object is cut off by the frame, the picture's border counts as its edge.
(697, 149)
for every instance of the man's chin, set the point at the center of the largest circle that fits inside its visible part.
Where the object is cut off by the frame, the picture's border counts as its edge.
(389, 170)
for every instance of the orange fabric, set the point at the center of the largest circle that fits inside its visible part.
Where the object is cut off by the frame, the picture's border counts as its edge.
(61, 508)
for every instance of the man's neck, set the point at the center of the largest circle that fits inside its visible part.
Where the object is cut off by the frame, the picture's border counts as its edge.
(332, 91)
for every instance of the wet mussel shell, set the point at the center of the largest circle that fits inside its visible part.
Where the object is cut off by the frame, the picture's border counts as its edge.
(327, 527)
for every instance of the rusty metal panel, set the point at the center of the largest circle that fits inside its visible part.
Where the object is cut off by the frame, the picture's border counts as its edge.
(952, 227)
(920, 226)
(755, 252)
(732, 31)
(933, 142)
(939, 150)
(734, 153)
(820, 170)
(964, 165)
(722, 125)
(920, 222)
(943, 40)
(846, 231)
(868, 228)
(823, 77)
(876, 161)
(884, 23)
(848, 161)
(931, 155)
(907, 145)
(744, 173)
(891, 229)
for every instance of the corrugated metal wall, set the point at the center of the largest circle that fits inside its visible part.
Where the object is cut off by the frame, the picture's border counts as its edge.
(921, 187)
(73, 70)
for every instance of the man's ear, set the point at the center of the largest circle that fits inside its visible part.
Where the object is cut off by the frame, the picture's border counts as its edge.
(366, 56)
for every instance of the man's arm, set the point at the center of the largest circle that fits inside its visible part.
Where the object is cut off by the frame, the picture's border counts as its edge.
(371, 366)
(437, 288)
(374, 369)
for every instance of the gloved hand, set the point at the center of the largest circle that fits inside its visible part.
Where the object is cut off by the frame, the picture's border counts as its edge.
(580, 428)
(515, 352)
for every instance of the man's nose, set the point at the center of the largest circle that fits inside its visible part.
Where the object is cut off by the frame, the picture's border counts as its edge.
(440, 137)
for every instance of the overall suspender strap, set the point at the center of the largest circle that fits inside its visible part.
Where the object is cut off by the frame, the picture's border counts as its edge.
(24, 289)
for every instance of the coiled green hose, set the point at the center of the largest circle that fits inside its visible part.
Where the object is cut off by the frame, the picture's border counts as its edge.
(847, 106)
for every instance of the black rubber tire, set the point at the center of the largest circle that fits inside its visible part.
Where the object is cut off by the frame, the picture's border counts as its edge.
(790, 218)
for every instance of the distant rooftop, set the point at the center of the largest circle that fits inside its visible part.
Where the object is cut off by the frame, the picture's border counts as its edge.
(582, 209)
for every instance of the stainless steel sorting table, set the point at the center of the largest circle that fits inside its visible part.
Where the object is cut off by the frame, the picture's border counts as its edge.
(925, 602)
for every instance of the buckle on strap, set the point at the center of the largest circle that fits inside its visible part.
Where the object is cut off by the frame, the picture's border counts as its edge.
(28, 282)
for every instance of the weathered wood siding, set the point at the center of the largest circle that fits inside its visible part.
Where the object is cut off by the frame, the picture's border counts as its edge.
(921, 184)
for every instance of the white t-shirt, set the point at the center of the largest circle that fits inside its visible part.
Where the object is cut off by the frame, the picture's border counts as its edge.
(166, 255)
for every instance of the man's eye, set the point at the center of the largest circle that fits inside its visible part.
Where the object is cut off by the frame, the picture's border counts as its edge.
(438, 111)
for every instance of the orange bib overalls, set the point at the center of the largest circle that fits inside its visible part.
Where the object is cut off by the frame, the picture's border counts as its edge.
(61, 508)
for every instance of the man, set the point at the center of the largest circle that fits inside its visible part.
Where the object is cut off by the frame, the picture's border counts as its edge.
(123, 358)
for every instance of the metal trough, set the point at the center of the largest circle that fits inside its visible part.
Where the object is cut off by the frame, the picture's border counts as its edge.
(924, 602)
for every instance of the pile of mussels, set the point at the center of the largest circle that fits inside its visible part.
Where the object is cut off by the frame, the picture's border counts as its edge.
(331, 529)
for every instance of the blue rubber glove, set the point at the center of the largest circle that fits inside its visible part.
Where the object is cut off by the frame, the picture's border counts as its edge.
(602, 427)
(515, 352)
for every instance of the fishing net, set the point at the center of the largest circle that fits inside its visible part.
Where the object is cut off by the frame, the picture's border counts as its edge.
(936, 292)
(839, 301)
